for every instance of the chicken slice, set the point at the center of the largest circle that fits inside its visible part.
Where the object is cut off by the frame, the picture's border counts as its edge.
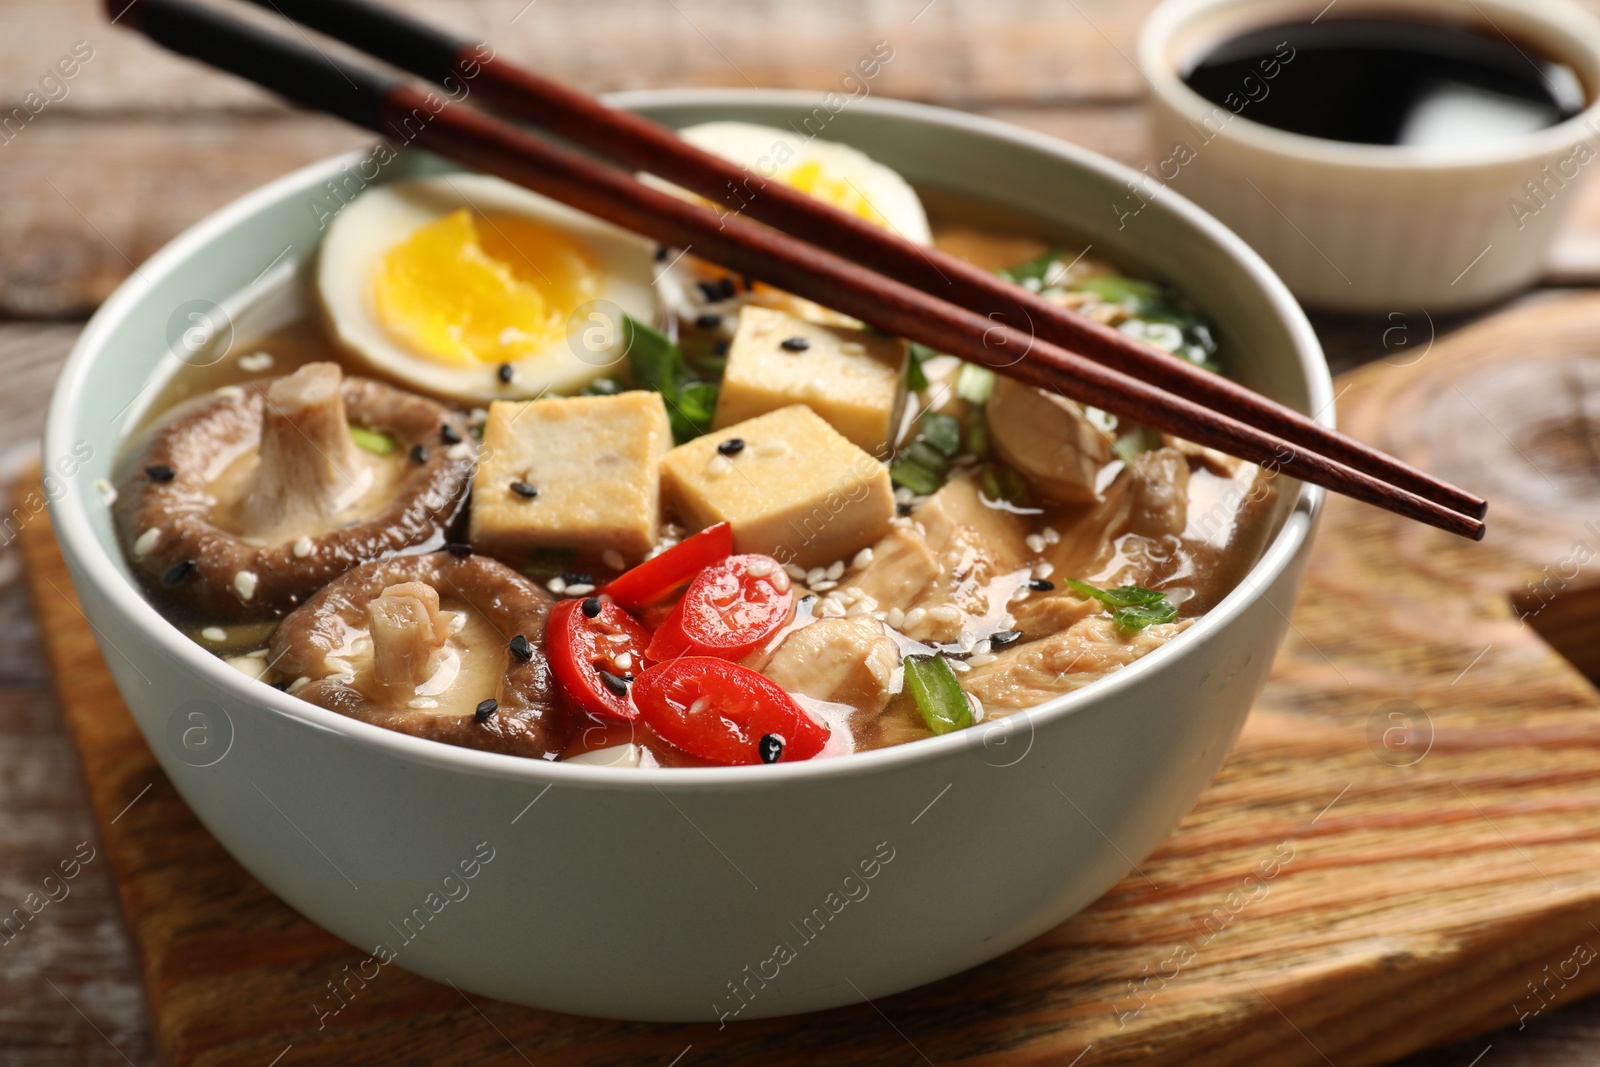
(844, 661)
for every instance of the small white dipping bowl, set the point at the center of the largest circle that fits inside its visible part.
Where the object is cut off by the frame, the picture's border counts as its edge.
(1372, 228)
(655, 894)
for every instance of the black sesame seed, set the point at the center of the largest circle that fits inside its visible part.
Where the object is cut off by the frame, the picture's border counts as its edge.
(771, 747)
(1002, 638)
(732, 446)
(661, 252)
(521, 648)
(708, 321)
(419, 453)
(504, 373)
(591, 607)
(523, 489)
(749, 283)
(725, 289)
(177, 573)
(794, 344)
(280, 686)
(448, 434)
(618, 684)
(577, 578)
(1040, 585)
(160, 472)
(486, 709)
(902, 510)
(709, 292)
(719, 348)
(458, 550)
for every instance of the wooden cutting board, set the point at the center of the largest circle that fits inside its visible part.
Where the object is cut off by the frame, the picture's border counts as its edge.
(1401, 850)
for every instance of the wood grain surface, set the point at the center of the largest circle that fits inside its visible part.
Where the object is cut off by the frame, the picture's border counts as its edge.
(143, 144)
(1399, 852)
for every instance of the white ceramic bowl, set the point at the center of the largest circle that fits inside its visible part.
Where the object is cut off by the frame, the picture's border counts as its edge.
(654, 894)
(1373, 228)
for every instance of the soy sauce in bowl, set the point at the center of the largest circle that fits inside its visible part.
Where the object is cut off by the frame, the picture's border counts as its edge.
(1388, 82)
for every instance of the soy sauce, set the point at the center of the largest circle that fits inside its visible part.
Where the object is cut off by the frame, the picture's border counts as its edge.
(1388, 82)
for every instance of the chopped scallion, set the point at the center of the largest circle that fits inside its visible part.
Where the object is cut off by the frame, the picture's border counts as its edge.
(974, 383)
(938, 696)
(374, 441)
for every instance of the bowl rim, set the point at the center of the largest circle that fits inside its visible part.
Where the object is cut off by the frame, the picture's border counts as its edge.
(75, 533)
(1575, 25)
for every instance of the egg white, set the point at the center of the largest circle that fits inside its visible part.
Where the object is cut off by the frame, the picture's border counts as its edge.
(382, 217)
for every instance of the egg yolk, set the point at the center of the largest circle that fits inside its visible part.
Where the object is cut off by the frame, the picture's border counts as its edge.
(468, 289)
(814, 180)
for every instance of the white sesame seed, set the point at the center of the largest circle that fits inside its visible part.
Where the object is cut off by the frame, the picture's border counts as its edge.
(556, 586)
(214, 634)
(255, 362)
(960, 665)
(978, 712)
(896, 618)
(881, 616)
(863, 558)
(852, 348)
(1008, 621)
(815, 575)
(870, 602)
(304, 547)
(823, 586)
(772, 448)
(624, 661)
(580, 589)
(718, 465)
(477, 416)
(795, 571)
(230, 392)
(244, 583)
(458, 621)
(1050, 535)
(980, 658)
(613, 559)
(760, 568)
(857, 608)
(700, 704)
(945, 613)
(1035, 542)
(107, 491)
(422, 703)
(147, 542)
(298, 684)
(836, 570)
(902, 495)
(832, 609)
(249, 666)
(459, 451)
(1044, 570)
(780, 581)
(966, 640)
(914, 616)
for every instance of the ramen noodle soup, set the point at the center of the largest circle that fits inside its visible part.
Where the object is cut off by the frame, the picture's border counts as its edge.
(503, 476)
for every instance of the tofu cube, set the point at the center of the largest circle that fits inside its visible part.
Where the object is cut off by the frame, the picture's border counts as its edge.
(588, 469)
(854, 379)
(796, 490)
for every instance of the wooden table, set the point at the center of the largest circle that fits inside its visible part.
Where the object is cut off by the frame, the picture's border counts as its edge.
(138, 145)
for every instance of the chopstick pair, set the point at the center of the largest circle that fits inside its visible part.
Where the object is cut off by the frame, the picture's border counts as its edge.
(808, 249)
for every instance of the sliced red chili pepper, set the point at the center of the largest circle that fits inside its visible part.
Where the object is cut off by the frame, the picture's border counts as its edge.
(656, 579)
(725, 713)
(730, 610)
(584, 640)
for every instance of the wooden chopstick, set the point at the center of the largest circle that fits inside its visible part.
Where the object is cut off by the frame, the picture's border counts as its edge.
(388, 106)
(644, 145)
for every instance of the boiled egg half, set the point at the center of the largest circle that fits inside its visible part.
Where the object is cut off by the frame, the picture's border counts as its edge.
(471, 288)
(834, 173)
